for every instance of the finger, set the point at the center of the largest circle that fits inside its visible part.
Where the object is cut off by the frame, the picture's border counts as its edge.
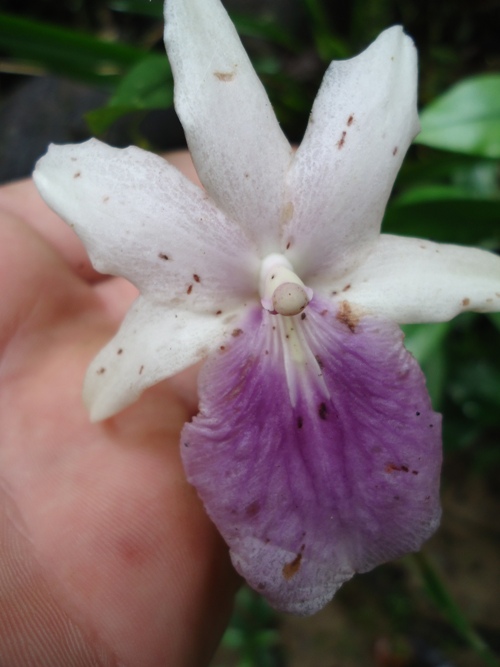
(34, 630)
(116, 295)
(37, 285)
(123, 540)
(21, 199)
(182, 161)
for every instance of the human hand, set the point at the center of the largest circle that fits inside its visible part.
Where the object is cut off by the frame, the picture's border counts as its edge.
(107, 556)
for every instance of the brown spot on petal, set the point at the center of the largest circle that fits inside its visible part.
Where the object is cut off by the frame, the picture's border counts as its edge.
(322, 411)
(225, 76)
(465, 302)
(236, 333)
(105, 199)
(341, 141)
(350, 120)
(77, 174)
(291, 569)
(303, 316)
(300, 422)
(395, 150)
(392, 467)
(101, 371)
(140, 370)
(253, 509)
(347, 316)
(196, 278)
(120, 351)
(189, 289)
(162, 255)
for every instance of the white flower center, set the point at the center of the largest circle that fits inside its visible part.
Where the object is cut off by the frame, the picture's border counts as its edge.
(282, 291)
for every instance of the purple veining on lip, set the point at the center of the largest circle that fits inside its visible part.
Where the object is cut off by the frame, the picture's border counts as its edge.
(348, 477)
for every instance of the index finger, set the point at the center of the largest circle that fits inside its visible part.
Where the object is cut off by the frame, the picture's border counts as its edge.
(22, 200)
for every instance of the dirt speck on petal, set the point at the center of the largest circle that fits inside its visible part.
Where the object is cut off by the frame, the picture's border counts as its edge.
(225, 76)
(347, 316)
(291, 569)
(392, 467)
(253, 509)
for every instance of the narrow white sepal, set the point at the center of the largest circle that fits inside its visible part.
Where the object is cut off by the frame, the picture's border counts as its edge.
(238, 148)
(410, 280)
(153, 343)
(362, 122)
(142, 219)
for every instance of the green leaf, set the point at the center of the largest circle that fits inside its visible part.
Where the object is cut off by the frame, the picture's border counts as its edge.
(66, 52)
(265, 28)
(148, 85)
(465, 119)
(153, 8)
(444, 213)
(495, 318)
(99, 120)
(328, 45)
(425, 342)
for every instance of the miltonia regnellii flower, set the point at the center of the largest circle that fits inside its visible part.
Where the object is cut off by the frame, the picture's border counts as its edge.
(316, 450)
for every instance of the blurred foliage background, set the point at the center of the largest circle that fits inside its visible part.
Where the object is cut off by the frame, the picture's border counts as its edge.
(70, 69)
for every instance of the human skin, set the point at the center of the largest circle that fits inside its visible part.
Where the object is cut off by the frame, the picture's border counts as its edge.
(107, 556)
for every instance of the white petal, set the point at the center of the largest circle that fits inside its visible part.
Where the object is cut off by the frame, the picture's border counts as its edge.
(362, 122)
(152, 344)
(410, 280)
(237, 146)
(140, 218)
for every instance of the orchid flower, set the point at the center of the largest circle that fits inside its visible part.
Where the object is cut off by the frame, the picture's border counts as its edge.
(316, 450)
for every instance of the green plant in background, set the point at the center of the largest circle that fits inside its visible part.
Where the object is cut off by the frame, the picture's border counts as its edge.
(447, 191)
